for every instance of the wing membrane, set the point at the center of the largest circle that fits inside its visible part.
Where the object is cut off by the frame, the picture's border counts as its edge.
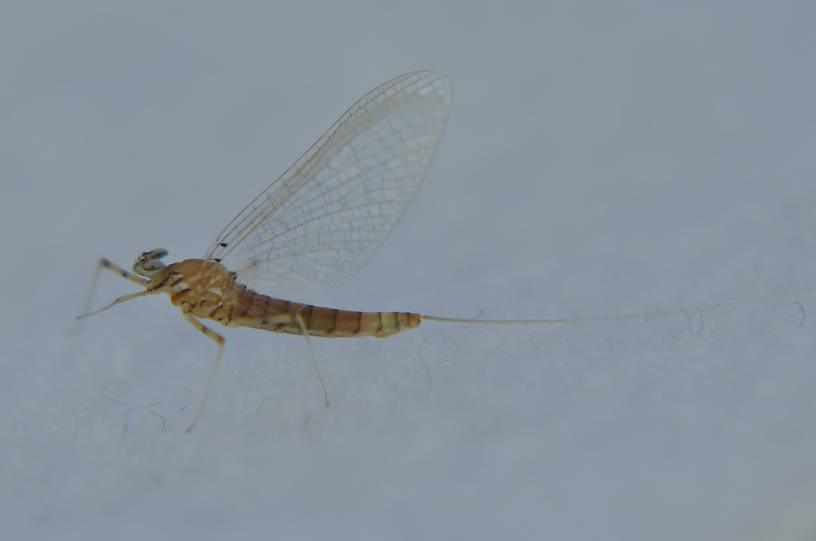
(321, 221)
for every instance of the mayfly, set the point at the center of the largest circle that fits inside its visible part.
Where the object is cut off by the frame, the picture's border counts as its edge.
(318, 224)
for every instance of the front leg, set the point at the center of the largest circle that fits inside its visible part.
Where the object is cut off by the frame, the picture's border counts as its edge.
(107, 264)
(104, 263)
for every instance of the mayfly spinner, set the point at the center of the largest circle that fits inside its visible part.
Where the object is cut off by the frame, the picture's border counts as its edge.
(318, 224)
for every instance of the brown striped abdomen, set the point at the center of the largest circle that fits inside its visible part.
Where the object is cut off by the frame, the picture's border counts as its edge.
(206, 289)
(330, 322)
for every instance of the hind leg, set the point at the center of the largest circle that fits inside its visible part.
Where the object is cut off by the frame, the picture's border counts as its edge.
(300, 322)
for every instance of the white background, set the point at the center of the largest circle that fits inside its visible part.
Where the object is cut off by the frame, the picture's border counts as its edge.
(601, 158)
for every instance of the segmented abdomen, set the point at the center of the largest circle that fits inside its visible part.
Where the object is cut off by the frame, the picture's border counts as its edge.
(329, 322)
(206, 289)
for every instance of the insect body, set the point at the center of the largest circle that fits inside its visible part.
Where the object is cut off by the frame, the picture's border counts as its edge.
(316, 225)
(206, 289)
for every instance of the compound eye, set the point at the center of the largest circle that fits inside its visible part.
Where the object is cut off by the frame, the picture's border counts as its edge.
(156, 253)
(148, 263)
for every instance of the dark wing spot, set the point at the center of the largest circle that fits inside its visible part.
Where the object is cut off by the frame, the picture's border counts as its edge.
(223, 244)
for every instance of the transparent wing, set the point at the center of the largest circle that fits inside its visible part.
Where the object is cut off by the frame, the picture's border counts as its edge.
(322, 220)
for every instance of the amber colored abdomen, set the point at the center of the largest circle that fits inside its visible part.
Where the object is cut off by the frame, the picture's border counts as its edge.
(281, 316)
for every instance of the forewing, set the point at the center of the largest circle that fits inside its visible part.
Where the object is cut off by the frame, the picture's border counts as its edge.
(321, 221)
